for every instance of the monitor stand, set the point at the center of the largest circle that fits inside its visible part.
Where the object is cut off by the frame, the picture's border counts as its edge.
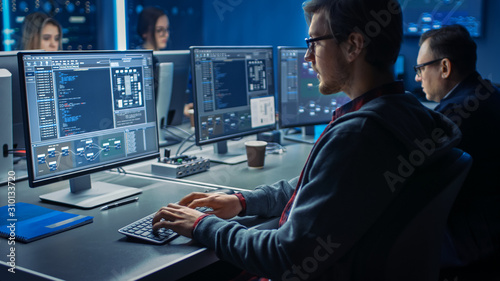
(221, 154)
(83, 194)
(306, 136)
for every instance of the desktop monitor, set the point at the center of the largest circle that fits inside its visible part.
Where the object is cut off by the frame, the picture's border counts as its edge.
(300, 102)
(421, 16)
(233, 96)
(181, 61)
(8, 60)
(163, 92)
(86, 112)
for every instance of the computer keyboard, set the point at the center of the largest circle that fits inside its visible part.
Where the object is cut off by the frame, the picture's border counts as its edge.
(143, 229)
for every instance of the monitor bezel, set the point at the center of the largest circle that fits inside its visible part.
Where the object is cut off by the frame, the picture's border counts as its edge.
(27, 132)
(200, 142)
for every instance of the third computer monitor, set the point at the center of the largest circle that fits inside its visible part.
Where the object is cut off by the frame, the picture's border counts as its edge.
(300, 102)
(233, 95)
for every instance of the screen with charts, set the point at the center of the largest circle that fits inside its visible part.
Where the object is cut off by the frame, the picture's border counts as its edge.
(300, 102)
(234, 91)
(87, 111)
(420, 16)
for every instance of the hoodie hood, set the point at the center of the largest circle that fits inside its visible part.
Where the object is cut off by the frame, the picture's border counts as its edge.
(429, 128)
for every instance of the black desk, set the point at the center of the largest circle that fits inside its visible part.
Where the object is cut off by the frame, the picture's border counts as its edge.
(277, 167)
(98, 252)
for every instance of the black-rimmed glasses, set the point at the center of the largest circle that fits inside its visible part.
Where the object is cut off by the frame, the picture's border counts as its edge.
(418, 67)
(310, 42)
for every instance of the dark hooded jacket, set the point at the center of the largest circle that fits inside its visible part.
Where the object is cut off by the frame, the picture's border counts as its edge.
(352, 175)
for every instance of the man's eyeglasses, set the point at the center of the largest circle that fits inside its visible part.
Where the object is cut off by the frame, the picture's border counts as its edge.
(418, 67)
(311, 46)
(161, 30)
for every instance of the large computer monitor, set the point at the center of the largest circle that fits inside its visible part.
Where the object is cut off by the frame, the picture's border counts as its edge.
(233, 96)
(421, 16)
(181, 61)
(86, 112)
(300, 102)
(8, 60)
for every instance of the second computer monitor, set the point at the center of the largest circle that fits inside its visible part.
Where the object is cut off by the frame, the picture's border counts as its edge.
(300, 102)
(180, 89)
(233, 92)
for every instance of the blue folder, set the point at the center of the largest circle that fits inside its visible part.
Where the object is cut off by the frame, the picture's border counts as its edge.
(28, 222)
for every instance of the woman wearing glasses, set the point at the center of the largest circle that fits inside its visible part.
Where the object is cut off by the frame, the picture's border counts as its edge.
(154, 28)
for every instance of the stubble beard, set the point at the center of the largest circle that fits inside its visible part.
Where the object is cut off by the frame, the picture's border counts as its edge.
(337, 81)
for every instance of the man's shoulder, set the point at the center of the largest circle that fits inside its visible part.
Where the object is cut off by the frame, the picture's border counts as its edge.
(474, 94)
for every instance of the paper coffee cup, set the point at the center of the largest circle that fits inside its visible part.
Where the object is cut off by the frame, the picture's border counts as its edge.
(256, 153)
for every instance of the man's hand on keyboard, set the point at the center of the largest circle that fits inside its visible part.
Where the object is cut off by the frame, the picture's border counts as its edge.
(178, 218)
(224, 206)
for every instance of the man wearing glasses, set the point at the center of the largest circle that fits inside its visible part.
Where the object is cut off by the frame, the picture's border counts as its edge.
(351, 176)
(447, 71)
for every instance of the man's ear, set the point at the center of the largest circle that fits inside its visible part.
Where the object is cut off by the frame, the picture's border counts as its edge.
(354, 43)
(446, 68)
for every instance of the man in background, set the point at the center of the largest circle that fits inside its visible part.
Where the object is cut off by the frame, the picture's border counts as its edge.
(447, 71)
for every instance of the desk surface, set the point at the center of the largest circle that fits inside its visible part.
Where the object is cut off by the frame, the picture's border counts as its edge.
(98, 252)
(277, 167)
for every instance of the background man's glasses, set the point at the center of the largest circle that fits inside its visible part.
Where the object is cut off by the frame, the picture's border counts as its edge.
(418, 67)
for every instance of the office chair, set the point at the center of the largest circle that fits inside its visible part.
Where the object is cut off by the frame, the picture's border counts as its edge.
(405, 243)
(485, 269)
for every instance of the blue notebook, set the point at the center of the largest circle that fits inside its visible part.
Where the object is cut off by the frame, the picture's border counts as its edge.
(28, 222)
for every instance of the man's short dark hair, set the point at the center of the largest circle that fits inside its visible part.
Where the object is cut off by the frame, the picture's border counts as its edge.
(455, 43)
(380, 22)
